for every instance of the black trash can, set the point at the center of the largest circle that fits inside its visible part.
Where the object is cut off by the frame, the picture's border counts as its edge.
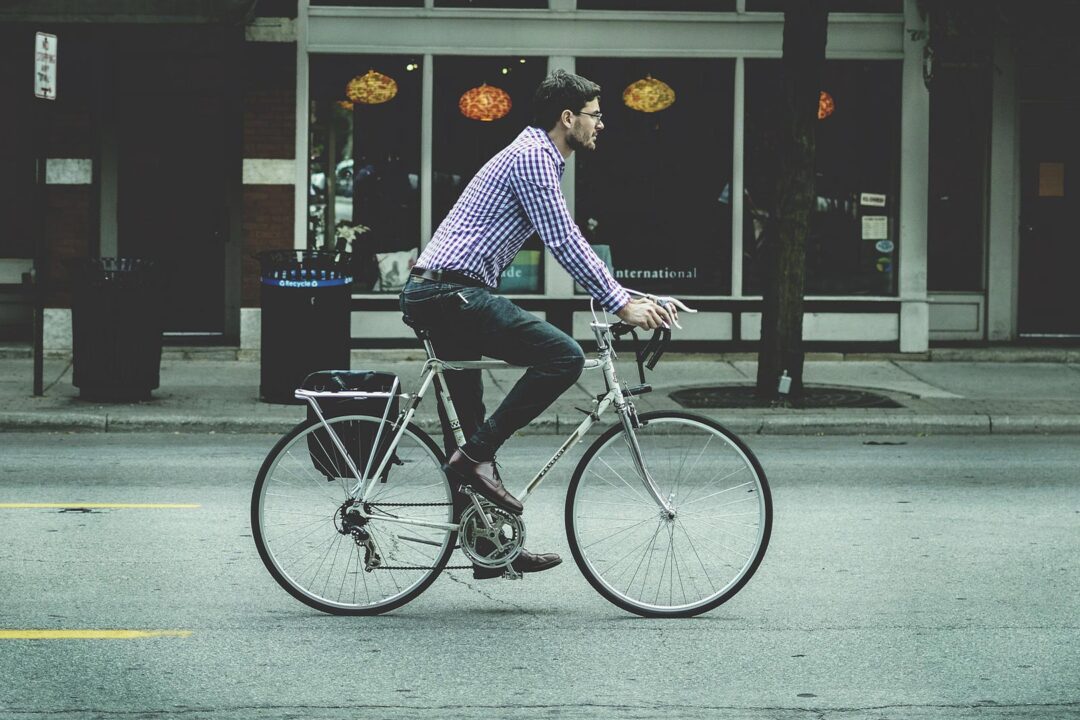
(116, 324)
(305, 318)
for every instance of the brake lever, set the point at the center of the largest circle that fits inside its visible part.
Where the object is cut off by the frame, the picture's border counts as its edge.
(664, 300)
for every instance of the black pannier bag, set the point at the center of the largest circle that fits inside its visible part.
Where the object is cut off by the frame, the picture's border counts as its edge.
(359, 437)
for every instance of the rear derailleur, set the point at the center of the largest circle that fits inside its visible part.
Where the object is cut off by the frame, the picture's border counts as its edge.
(348, 521)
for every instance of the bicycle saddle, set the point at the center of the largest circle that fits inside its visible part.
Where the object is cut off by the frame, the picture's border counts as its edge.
(422, 331)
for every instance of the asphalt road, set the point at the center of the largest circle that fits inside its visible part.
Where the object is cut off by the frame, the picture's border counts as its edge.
(934, 578)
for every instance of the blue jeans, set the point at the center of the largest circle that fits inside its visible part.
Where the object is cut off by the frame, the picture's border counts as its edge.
(468, 322)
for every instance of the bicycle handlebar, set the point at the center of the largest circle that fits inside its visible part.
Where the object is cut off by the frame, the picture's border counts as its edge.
(650, 355)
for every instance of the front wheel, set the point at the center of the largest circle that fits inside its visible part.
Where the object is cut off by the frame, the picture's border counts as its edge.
(331, 558)
(657, 564)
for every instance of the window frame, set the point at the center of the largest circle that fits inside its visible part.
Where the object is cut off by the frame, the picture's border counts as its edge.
(562, 33)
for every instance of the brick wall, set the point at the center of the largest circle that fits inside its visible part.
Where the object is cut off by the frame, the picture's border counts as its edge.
(268, 225)
(70, 221)
(68, 236)
(270, 123)
(269, 134)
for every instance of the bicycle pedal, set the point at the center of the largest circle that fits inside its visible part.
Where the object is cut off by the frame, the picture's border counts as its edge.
(512, 574)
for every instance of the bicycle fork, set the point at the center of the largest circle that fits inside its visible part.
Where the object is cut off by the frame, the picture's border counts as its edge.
(625, 414)
(628, 416)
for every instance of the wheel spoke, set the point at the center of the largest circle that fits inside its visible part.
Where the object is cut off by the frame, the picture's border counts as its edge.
(686, 564)
(300, 519)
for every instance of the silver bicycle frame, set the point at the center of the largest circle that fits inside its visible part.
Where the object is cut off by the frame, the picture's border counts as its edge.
(433, 373)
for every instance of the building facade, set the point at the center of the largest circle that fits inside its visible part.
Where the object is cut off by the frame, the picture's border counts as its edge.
(356, 124)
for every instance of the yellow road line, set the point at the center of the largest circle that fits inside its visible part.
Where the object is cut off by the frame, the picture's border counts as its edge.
(89, 634)
(119, 506)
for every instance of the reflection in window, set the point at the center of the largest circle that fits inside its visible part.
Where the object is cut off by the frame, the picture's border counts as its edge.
(666, 5)
(482, 104)
(370, 3)
(841, 6)
(511, 4)
(364, 164)
(959, 141)
(651, 197)
(852, 248)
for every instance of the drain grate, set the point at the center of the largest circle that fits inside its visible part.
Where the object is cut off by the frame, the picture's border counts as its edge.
(742, 396)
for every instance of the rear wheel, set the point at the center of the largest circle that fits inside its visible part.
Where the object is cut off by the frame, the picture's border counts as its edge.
(333, 559)
(659, 565)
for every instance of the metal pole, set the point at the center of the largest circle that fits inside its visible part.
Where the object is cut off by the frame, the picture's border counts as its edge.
(40, 136)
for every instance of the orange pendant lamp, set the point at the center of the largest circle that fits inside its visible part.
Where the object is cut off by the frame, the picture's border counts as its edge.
(648, 95)
(485, 103)
(825, 105)
(371, 88)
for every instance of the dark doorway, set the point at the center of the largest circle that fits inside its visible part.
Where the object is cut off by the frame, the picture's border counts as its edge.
(1050, 213)
(172, 189)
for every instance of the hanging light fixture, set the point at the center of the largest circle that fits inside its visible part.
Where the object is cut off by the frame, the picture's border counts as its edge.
(485, 103)
(371, 88)
(825, 105)
(648, 95)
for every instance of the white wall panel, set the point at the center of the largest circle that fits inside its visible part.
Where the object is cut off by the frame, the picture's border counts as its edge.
(699, 326)
(861, 327)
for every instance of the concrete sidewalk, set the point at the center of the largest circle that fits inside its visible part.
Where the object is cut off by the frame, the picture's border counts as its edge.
(966, 391)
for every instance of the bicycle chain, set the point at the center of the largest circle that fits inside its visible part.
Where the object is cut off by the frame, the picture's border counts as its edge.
(411, 567)
(382, 504)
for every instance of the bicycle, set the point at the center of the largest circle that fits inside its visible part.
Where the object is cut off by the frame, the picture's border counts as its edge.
(364, 529)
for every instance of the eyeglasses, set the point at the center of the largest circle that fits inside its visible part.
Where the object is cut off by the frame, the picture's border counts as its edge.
(597, 116)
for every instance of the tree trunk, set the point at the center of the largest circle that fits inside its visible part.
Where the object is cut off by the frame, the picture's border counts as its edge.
(805, 34)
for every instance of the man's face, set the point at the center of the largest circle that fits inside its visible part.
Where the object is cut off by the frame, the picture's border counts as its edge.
(586, 127)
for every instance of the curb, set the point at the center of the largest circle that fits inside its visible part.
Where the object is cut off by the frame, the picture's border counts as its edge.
(743, 425)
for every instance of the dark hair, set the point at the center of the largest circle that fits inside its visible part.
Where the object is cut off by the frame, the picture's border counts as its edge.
(560, 91)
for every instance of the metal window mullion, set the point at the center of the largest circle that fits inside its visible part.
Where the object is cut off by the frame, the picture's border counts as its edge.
(303, 118)
(427, 125)
(737, 161)
(557, 282)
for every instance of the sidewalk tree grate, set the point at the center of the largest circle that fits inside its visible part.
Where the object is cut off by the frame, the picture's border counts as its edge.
(814, 397)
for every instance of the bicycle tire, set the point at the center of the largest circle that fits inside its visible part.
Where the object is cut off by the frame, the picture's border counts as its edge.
(312, 480)
(590, 489)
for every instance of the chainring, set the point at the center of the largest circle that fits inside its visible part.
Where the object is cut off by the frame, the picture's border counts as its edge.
(494, 548)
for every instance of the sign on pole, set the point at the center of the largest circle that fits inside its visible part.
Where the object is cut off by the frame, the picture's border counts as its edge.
(45, 66)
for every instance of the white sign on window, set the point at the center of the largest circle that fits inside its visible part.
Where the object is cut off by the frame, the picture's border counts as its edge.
(875, 227)
(45, 66)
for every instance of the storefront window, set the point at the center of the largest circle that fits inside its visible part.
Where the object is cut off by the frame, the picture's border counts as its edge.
(669, 5)
(365, 164)
(651, 197)
(959, 140)
(853, 244)
(666, 5)
(843, 6)
(509, 4)
(481, 104)
(369, 3)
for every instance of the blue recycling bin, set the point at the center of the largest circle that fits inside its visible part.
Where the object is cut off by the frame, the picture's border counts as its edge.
(305, 301)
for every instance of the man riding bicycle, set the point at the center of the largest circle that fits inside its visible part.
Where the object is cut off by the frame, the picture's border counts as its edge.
(449, 293)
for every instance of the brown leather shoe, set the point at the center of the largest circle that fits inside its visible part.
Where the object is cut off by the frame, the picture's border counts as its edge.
(483, 477)
(526, 562)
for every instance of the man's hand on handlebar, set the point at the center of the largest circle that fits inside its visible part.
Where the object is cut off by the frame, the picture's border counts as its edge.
(645, 313)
